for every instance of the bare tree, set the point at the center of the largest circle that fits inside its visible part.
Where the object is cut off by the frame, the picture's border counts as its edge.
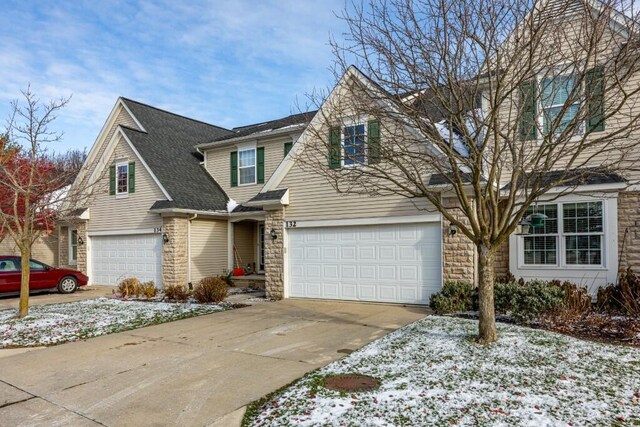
(33, 181)
(489, 103)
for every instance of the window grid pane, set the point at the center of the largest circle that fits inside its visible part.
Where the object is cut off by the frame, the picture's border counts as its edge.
(354, 144)
(540, 250)
(550, 223)
(123, 178)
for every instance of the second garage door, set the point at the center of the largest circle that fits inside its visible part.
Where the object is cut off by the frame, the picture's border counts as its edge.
(398, 263)
(114, 258)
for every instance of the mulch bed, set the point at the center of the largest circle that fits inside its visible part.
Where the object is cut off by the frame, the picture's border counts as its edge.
(619, 330)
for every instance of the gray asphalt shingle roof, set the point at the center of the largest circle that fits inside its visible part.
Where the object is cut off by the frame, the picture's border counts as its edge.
(574, 177)
(293, 119)
(269, 195)
(168, 149)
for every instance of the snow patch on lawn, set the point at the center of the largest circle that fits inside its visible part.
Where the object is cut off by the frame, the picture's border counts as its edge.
(432, 373)
(58, 323)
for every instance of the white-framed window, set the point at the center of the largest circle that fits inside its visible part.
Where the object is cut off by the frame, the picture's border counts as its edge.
(73, 246)
(247, 166)
(354, 145)
(573, 235)
(122, 178)
(554, 93)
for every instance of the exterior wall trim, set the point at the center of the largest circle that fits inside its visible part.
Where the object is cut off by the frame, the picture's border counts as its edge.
(368, 221)
(123, 232)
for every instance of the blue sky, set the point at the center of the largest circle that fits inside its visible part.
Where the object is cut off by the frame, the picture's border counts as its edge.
(228, 63)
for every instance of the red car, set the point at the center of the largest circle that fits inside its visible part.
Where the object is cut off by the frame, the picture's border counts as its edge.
(42, 276)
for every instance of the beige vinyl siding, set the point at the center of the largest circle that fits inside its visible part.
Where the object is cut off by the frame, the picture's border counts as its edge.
(131, 212)
(45, 249)
(244, 237)
(208, 248)
(311, 197)
(218, 165)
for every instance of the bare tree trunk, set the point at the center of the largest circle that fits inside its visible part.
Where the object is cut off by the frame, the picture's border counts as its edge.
(487, 310)
(25, 253)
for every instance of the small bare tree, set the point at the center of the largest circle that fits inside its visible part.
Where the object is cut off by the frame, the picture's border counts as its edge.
(33, 180)
(490, 103)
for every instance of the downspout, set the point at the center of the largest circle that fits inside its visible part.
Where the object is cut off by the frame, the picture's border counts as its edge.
(189, 248)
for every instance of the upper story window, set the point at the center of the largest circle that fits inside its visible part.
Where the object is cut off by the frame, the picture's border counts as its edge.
(356, 143)
(549, 104)
(572, 235)
(555, 92)
(122, 178)
(354, 146)
(247, 166)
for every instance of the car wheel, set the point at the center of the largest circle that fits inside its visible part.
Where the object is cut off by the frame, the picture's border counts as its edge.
(67, 285)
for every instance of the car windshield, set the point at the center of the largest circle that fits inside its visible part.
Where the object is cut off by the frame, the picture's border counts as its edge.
(36, 266)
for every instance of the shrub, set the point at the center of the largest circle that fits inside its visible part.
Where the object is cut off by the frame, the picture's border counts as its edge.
(623, 297)
(211, 289)
(176, 293)
(530, 300)
(227, 276)
(455, 296)
(130, 287)
(149, 289)
(577, 300)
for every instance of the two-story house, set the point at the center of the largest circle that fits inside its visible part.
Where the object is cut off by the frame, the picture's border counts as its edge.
(166, 193)
(174, 200)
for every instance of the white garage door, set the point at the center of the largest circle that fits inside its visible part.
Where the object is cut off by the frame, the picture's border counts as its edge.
(383, 263)
(114, 258)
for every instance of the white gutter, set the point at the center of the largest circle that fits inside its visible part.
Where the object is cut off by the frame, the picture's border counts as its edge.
(221, 214)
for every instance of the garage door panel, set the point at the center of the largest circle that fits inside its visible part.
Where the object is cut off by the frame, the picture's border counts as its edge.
(386, 263)
(114, 258)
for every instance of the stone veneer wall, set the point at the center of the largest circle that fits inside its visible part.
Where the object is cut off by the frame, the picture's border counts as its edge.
(175, 262)
(274, 254)
(458, 252)
(81, 262)
(63, 248)
(629, 224)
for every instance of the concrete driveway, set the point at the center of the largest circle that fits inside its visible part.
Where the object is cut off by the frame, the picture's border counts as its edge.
(54, 297)
(194, 372)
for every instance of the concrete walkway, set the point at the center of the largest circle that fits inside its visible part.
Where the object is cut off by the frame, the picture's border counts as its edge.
(194, 372)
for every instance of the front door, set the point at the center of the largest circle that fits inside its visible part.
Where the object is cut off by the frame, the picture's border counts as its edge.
(261, 247)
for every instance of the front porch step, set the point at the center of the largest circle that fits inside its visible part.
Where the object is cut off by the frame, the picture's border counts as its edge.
(255, 281)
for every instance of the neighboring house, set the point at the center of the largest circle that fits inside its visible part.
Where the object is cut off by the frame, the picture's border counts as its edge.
(44, 249)
(159, 188)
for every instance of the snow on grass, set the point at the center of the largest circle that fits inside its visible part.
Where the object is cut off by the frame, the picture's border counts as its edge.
(432, 373)
(58, 323)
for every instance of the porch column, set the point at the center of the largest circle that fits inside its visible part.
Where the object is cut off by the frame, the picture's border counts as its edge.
(458, 252)
(274, 254)
(175, 258)
(82, 249)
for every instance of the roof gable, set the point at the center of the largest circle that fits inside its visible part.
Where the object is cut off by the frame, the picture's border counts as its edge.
(167, 147)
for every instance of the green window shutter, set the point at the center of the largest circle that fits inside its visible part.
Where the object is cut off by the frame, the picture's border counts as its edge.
(595, 96)
(112, 180)
(373, 141)
(334, 148)
(234, 168)
(528, 128)
(287, 148)
(132, 177)
(260, 164)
